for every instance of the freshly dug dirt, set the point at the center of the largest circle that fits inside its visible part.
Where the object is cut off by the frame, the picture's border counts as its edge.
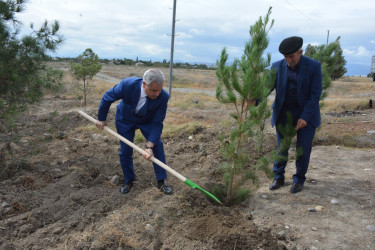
(57, 191)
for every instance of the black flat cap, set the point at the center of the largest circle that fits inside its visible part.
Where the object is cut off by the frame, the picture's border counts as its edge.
(290, 45)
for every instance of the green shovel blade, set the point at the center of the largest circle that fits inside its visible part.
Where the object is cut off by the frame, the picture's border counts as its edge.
(193, 185)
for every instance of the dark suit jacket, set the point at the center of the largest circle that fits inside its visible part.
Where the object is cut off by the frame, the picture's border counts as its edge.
(128, 90)
(309, 89)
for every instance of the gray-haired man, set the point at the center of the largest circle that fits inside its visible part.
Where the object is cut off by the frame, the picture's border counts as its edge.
(143, 106)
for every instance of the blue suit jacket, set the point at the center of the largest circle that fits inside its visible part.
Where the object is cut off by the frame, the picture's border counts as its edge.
(309, 89)
(129, 91)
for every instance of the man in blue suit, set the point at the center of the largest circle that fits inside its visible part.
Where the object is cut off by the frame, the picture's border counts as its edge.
(143, 106)
(298, 85)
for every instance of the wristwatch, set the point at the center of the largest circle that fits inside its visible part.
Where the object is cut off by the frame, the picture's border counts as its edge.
(149, 147)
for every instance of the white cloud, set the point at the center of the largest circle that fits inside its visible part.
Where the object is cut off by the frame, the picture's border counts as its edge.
(197, 31)
(358, 52)
(127, 28)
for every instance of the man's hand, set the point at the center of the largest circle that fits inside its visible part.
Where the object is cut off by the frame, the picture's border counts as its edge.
(101, 124)
(301, 124)
(149, 154)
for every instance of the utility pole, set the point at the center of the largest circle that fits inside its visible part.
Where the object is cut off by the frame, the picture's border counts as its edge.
(327, 36)
(172, 48)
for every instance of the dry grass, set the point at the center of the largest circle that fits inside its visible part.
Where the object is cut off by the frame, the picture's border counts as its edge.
(344, 104)
(187, 112)
(349, 93)
(343, 88)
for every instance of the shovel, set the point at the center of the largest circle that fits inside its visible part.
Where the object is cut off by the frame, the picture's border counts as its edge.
(153, 159)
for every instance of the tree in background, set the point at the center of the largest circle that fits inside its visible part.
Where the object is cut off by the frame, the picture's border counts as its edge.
(87, 67)
(241, 84)
(23, 74)
(332, 60)
(339, 67)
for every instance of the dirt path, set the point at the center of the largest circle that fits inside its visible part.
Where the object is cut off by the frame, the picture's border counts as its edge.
(335, 207)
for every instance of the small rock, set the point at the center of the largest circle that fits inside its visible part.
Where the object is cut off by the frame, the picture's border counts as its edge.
(179, 213)
(61, 135)
(57, 173)
(281, 235)
(58, 230)
(264, 196)
(6, 210)
(313, 248)
(5, 204)
(314, 229)
(370, 228)
(47, 136)
(337, 147)
(371, 132)
(150, 229)
(334, 202)
(319, 208)
(196, 101)
(311, 209)
(204, 153)
(150, 213)
(26, 229)
(96, 136)
(190, 137)
(115, 179)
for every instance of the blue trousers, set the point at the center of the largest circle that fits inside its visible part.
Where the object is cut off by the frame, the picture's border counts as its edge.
(126, 154)
(305, 138)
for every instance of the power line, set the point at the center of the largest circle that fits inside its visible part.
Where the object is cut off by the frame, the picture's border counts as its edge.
(305, 15)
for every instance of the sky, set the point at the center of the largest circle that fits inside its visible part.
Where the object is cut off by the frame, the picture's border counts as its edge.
(143, 29)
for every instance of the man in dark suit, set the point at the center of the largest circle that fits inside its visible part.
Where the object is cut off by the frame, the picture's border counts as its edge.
(143, 106)
(298, 85)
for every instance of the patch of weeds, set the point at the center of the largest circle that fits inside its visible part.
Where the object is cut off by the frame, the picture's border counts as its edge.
(171, 130)
(54, 114)
(65, 118)
(193, 128)
(16, 138)
(138, 138)
(13, 167)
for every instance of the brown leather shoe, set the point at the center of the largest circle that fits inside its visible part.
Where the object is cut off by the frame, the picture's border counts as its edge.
(276, 184)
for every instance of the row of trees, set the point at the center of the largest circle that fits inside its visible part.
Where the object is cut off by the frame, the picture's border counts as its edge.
(127, 61)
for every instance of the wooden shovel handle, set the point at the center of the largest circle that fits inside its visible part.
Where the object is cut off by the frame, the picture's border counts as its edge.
(123, 139)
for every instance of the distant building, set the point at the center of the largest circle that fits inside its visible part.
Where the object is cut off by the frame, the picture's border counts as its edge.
(139, 64)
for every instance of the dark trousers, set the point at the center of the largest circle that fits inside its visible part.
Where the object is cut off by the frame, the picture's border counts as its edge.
(305, 138)
(126, 156)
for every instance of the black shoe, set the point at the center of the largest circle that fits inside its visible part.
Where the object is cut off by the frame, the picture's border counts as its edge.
(126, 188)
(162, 185)
(276, 184)
(295, 188)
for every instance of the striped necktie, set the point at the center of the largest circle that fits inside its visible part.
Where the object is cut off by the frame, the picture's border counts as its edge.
(142, 111)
